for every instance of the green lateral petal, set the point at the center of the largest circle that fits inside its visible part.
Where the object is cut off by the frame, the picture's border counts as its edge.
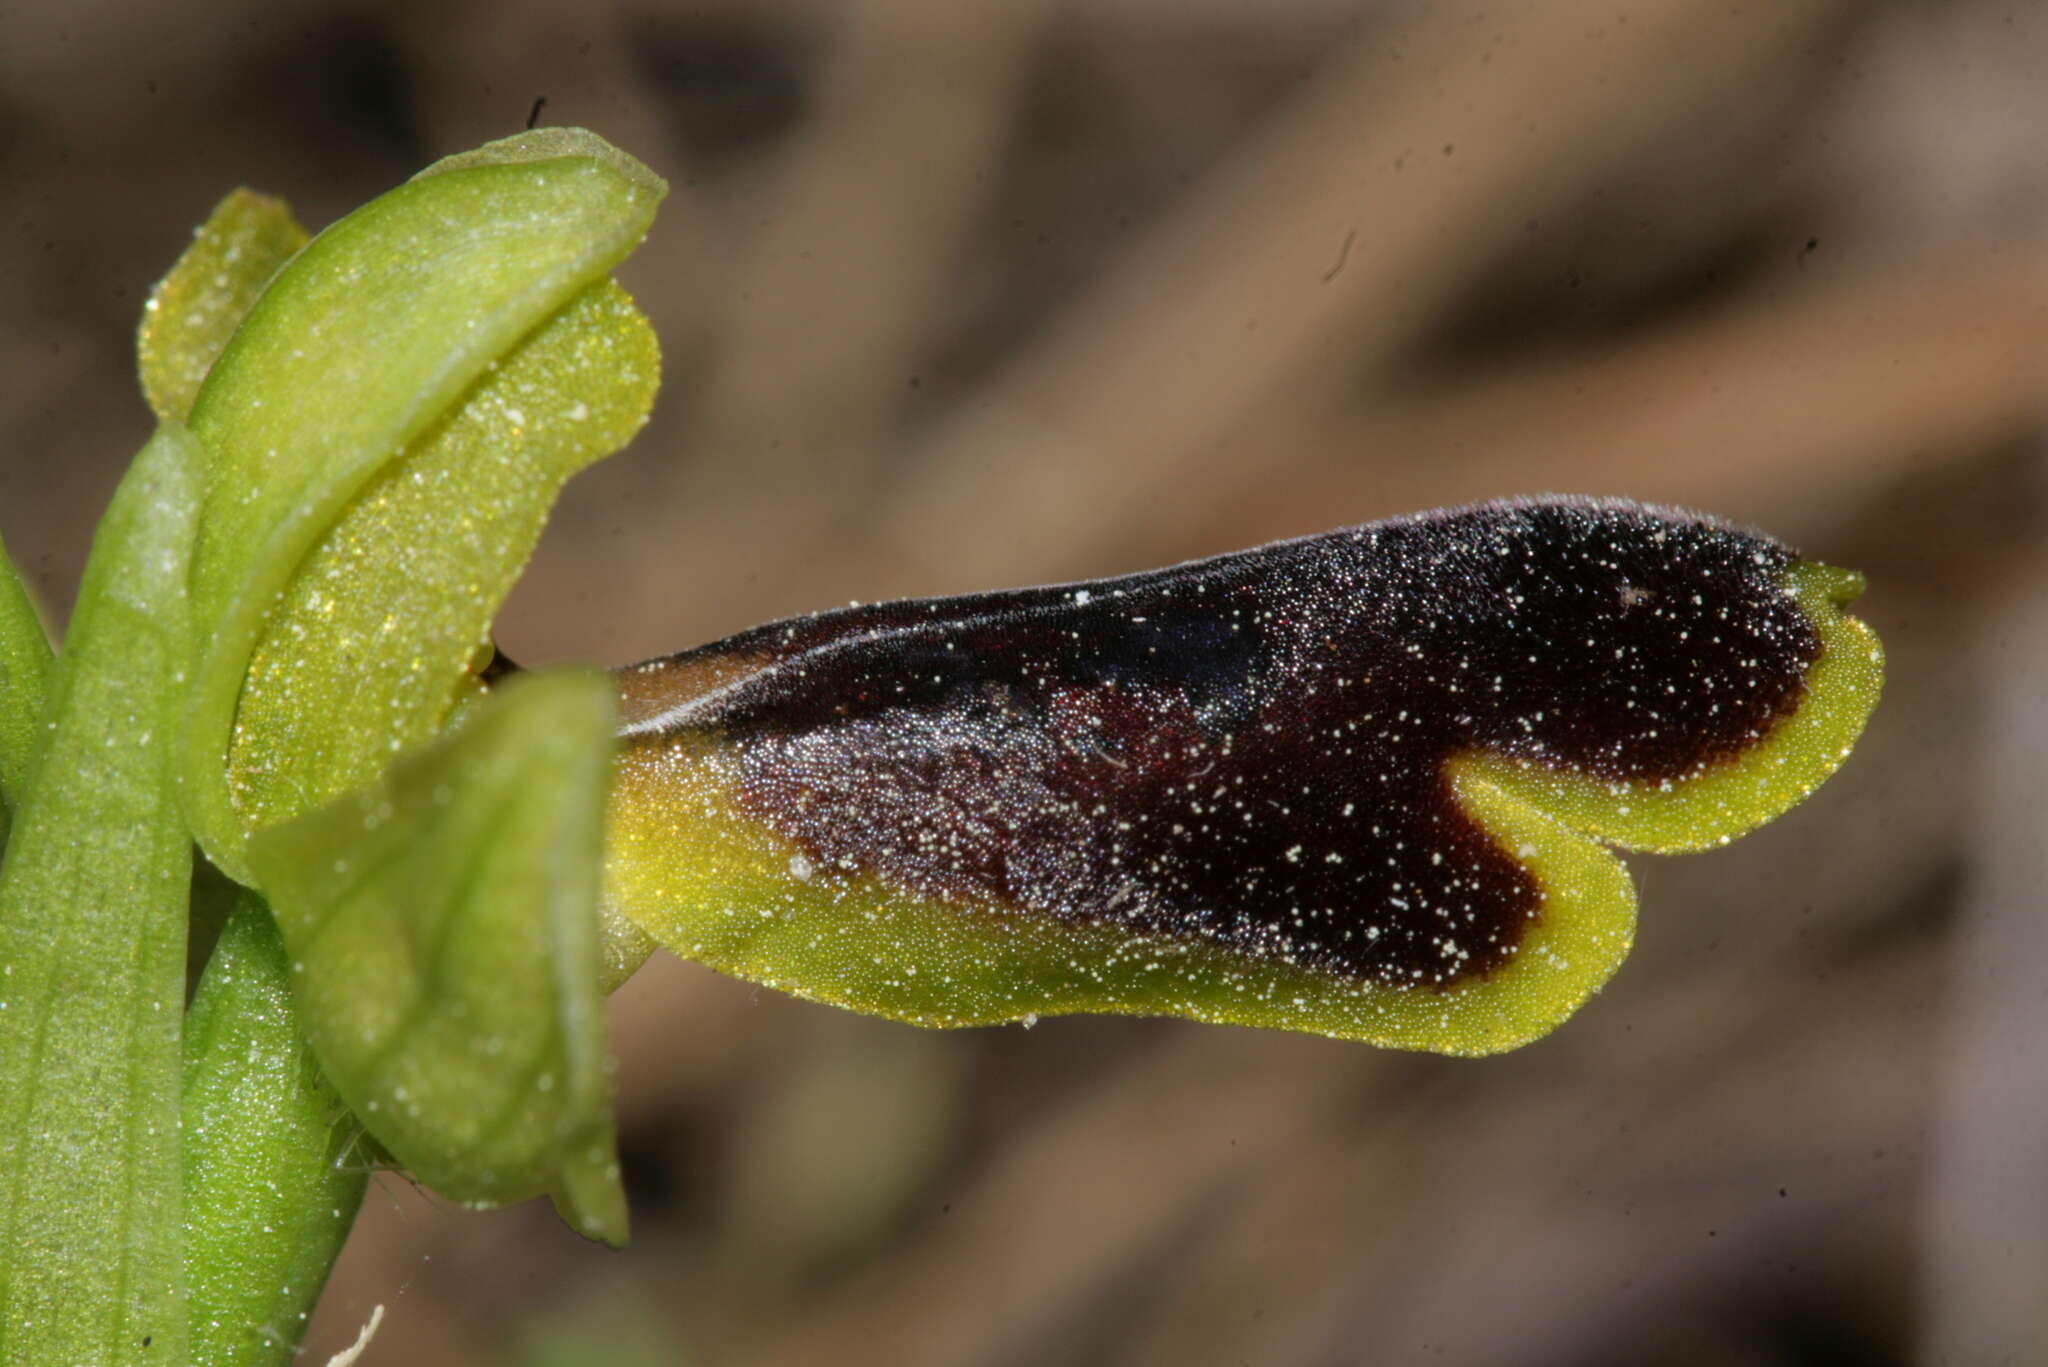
(372, 645)
(92, 957)
(371, 337)
(272, 1178)
(444, 935)
(24, 676)
(195, 309)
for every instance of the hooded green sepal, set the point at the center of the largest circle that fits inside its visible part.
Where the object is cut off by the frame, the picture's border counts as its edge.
(255, 1101)
(92, 957)
(443, 929)
(372, 646)
(401, 344)
(24, 679)
(195, 309)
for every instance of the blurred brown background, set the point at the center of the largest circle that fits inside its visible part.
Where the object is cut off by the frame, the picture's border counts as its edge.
(965, 295)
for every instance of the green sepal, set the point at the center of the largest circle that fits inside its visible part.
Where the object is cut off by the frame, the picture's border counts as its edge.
(371, 649)
(373, 337)
(195, 309)
(443, 928)
(551, 144)
(92, 957)
(256, 1104)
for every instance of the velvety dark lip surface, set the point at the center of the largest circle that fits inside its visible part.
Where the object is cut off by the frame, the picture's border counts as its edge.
(1252, 749)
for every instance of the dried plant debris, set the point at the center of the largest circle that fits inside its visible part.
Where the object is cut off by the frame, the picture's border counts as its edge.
(1361, 784)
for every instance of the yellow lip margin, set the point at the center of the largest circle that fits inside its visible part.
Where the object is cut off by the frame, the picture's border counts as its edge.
(720, 888)
(717, 886)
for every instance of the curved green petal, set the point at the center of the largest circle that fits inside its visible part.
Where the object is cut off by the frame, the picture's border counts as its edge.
(195, 309)
(443, 930)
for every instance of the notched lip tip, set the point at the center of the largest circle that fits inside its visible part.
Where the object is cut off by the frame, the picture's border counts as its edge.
(1838, 586)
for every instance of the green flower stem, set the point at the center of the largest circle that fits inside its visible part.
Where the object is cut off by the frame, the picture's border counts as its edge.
(92, 958)
(272, 1182)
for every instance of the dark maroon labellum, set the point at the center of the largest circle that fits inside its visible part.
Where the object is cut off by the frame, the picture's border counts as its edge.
(1252, 749)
